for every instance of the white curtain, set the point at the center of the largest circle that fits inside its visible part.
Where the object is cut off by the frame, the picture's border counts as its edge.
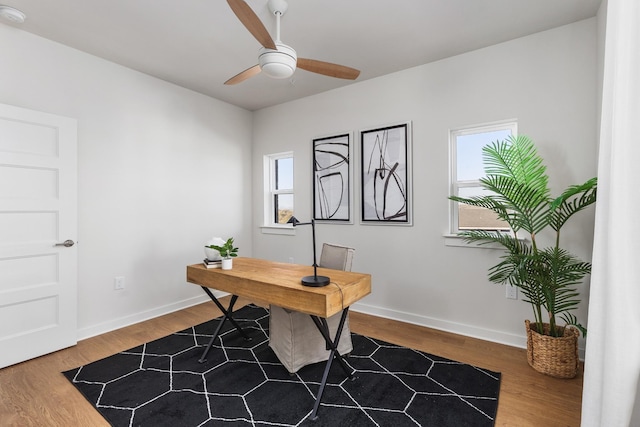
(612, 361)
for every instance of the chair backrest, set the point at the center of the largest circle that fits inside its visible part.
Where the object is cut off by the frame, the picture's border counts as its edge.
(336, 257)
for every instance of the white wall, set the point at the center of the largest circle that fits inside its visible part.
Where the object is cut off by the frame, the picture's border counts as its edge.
(148, 152)
(548, 81)
(161, 170)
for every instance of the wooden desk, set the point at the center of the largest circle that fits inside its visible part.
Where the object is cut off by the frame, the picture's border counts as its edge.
(279, 284)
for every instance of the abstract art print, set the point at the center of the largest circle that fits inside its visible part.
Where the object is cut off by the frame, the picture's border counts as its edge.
(386, 175)
(332, 178)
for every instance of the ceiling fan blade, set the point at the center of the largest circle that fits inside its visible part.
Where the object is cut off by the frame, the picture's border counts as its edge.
(328, 69)
(240, 77)
(250, 20)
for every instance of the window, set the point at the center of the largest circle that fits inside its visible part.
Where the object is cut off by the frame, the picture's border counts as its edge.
(278, 188)
(467, 169)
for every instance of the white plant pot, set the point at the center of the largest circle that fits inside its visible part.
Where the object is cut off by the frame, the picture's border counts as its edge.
(227, 263)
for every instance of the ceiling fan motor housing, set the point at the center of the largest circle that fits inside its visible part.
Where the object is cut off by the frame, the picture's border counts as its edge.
(279, 64)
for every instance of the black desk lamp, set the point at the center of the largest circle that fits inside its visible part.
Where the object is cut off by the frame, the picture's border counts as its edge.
(315, 280)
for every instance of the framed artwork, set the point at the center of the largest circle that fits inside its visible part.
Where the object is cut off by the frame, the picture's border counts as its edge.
(332, 169)
(385, 168)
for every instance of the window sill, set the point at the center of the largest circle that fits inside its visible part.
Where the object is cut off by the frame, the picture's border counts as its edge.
(458, 241)
(285, 230)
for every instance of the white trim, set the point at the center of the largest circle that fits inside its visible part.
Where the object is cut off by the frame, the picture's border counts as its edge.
(484, 127)
(512, 340)
(286, 230)
(458, 241)
(125, 321)
(519, 341)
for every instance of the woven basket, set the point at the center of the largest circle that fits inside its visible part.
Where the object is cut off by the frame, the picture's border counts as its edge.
(554, 356)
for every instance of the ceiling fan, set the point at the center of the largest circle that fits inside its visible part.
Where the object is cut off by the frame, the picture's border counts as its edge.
(275, 58)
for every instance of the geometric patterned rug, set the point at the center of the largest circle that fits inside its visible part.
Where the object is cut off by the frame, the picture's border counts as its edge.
(242, 383)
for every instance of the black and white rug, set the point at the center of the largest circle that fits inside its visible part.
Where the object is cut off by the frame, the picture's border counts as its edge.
(242, 383)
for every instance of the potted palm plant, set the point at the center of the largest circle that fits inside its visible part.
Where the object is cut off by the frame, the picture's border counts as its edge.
(227, 252)
(518, 193)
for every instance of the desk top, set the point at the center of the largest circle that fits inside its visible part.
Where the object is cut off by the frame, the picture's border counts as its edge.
(279, 283)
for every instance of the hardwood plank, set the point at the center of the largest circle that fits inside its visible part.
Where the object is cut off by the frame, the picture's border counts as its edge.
(34, 393)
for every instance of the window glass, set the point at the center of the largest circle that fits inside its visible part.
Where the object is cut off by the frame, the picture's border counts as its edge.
(477, 218)
(283, 207)
(466, 170)
(279, 196)
(469, 153)
(284, 174)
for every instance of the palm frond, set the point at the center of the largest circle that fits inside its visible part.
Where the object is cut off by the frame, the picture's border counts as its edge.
(572, 201)
(484, 237)
(572, 320)
(527, 207)
(517, 159)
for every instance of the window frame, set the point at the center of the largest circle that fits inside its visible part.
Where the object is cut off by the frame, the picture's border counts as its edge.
(454, 184)
(270, 190)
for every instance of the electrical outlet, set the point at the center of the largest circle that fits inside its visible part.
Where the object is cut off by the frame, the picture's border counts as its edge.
(118, 283)
(512, 292)
(291, 260)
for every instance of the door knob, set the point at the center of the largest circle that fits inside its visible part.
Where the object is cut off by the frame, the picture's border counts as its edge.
(66, 243)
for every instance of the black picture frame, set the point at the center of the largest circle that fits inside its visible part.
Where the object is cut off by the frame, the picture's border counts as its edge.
(385, 175)
(332, 182)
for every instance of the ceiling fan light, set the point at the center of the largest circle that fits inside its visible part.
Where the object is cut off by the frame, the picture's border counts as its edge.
(279, 64)
(12, 14)
(278, 70)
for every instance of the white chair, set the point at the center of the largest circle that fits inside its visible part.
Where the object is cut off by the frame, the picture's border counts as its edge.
(294, 337)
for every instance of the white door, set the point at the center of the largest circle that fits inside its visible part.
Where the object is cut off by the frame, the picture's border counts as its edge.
(38, 210)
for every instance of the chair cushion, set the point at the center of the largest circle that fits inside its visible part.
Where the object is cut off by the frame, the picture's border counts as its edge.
(296, 341)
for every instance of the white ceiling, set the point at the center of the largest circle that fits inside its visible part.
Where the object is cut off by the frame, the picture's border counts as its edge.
(199, 44)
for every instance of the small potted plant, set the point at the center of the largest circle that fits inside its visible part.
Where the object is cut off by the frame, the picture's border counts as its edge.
(227, 252)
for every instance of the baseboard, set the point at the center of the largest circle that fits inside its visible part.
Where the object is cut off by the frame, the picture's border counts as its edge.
(512, 340)
(122, 322)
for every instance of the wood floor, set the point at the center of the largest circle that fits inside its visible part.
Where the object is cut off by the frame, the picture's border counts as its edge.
(35, 393)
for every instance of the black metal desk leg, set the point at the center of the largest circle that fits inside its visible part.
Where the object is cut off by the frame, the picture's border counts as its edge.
(227, 314)
(323, 327)
(227, 311)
